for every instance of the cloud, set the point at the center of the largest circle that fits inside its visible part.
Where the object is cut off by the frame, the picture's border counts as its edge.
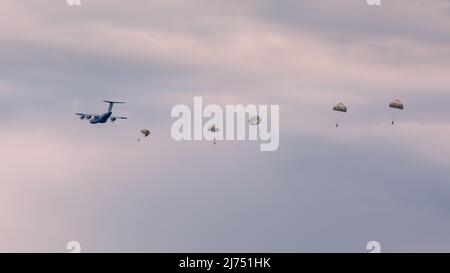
(326, 189)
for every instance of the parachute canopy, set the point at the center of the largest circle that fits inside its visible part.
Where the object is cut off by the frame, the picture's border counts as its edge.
(397, 104)
(213, 128)
(340, 107)
(255, 120)
(145, 132)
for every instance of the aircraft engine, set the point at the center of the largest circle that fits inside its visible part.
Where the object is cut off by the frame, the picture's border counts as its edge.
(113, 119)
(88, 117)
(82, 117)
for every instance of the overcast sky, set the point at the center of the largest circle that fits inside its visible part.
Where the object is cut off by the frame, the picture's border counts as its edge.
(324, 189)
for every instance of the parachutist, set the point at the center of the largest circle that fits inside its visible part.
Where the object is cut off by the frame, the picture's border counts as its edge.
(340, 108)
(395, 106)
(213, 129)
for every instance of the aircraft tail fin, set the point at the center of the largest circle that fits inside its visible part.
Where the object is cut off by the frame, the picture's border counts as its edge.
(111, 103)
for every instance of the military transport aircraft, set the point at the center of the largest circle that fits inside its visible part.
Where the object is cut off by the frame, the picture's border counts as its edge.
(101, 118)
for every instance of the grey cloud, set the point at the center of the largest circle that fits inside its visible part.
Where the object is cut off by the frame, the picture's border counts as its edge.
(324, 190)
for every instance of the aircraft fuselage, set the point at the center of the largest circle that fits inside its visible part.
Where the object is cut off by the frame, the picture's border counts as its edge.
(101, 119)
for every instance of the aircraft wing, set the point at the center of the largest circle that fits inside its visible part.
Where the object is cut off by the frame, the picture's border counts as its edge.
(115, 117)
(85, 115)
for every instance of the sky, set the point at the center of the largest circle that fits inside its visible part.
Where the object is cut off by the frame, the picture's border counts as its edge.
(325, 189)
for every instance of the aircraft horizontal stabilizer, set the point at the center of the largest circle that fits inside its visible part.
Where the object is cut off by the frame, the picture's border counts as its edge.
(113, 102)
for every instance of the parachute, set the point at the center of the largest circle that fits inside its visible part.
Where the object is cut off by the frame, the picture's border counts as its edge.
(395, 106)
(340, 107)
(145, 133)
(255, 120)
(213, 129)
